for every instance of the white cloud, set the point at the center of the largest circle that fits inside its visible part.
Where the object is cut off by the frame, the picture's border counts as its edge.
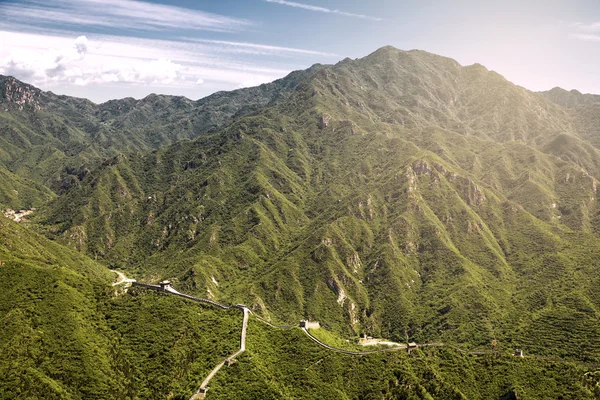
(81, 44)
(591, 27)
(323, 9)
(70, 61)
(252, 82)
(50, 61)
(587, 32)
(586, 37)
(47, 63)
(37, 47)
(258, 49)
(128, 14)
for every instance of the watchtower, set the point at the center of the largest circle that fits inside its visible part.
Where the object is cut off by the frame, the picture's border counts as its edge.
(200, 394)
(518, 353)
(309, 324)
(410, 346)
(166, 285)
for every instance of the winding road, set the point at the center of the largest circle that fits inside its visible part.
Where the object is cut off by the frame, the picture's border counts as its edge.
(187, 296)
(201, 392)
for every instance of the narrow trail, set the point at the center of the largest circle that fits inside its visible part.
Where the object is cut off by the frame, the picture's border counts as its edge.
(187, 296)
(264, 321)
(202, 390)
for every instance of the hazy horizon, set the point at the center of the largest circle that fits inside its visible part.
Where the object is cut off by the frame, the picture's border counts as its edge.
(73, 91)
(126, 48)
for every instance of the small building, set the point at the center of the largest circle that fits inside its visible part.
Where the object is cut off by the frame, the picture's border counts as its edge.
(309, 324)
(518, 353)
(411, 346)
(200, 394)
(165, 285)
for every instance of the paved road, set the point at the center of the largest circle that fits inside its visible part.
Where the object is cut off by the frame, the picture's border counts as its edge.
(187, 296)
(264, 321)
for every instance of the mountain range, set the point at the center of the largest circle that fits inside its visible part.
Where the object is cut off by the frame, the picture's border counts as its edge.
(400, 195)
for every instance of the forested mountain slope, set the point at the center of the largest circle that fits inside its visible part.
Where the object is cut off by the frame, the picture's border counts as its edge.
(67, 334)
(398, 194)
(56, 140)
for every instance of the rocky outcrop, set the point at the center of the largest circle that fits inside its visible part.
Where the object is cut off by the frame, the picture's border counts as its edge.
(472, 193)
(353, 262)
(324, 121)
(20, 94)
(421, 167)
(365, 208)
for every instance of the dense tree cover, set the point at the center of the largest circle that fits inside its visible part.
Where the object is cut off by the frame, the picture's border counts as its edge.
(67, 334)
(439, 224)
(400, 195)
(284, 364)
(56, 140)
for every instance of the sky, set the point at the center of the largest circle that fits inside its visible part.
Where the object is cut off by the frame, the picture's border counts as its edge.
(106, 49)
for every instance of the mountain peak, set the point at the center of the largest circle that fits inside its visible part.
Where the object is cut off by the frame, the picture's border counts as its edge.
(415, 57)
(19, 94)
(385, 51)
(388, 49)
(570, 98)
(400, 195)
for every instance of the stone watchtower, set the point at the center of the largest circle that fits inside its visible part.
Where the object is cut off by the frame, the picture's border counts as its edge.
(309, 324)
(518, 353)
(166, 285)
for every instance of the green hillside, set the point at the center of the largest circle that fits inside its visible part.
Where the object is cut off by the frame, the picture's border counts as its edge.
(285, 365)
(17, 192)
(56, 140)
(67, 335)
(400, 196)
(396, 194)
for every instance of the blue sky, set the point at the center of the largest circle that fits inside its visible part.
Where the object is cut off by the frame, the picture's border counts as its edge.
(103, 49)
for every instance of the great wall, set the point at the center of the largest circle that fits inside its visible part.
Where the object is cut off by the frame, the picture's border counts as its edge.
(305, 326)
(167, 287)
